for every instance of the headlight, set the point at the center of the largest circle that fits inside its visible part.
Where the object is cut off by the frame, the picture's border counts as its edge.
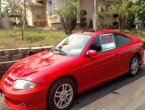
(23, 85)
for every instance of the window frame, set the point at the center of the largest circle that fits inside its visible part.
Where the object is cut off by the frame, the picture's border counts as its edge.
(52, 7)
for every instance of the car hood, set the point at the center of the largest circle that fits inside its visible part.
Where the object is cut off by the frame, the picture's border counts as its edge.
(37, 63)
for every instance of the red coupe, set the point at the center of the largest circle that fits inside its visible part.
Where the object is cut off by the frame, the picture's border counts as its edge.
(51, 79)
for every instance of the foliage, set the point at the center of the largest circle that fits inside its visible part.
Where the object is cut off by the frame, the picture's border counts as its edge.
(139, 7)
(123, 9)
(100, 14)
(12, 11)
(68, 14)
(130, 21)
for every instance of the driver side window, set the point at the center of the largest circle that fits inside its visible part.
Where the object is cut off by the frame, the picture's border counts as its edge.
(96, 45)
(104, 42)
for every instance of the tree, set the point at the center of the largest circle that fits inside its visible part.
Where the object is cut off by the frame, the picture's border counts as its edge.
(68, 15)
(123, 9)
(100, 14)
(1, 13)
(10, 2)
(139, 7)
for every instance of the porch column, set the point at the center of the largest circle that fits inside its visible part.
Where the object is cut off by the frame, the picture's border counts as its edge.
(25, 14)
(78, 9)
(95, 16)
(1, 21)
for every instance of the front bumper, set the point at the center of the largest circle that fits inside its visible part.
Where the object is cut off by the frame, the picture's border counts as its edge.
(34, 99)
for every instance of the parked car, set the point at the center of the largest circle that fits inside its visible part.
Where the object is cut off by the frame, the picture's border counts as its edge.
(52, 79)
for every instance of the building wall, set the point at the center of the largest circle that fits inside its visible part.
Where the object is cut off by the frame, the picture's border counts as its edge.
(7, 22)
(29, 16)
(88, 6)
(53, 21)
(38, 16)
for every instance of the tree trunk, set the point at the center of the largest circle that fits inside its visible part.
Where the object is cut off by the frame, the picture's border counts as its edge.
(24, 17)
(124, 22)
(142, 23)
(1, 23)
(120, 23)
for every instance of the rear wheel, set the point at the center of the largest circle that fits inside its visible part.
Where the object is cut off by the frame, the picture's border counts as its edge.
(61, 95)
(134, 66)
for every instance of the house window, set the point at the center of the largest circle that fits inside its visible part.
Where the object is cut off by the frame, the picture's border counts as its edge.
(52, 7)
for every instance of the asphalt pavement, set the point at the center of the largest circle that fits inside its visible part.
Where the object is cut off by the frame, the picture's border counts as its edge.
(123, 93)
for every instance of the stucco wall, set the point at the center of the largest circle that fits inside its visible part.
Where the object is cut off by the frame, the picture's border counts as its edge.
(36, 13)
(29, 16)
(7, 22)
(88, 6)
(42, 12)
(54, 19)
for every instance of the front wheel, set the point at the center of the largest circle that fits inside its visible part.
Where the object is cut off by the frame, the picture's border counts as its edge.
(61, 95)
(134, 66)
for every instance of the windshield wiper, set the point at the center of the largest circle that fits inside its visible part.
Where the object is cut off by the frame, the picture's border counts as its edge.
(60, 51)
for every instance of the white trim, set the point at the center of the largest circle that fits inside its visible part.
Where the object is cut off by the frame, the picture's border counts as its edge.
(95, 16)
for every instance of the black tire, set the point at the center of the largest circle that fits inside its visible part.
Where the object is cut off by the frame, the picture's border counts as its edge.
(134, 72)
(51, 94)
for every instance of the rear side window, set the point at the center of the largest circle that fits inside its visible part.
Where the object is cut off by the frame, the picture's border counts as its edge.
(121, 40)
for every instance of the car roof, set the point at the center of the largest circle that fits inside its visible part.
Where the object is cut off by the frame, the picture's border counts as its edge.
(95, 33)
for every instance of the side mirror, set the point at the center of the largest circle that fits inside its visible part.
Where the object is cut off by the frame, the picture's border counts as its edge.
(91, 53)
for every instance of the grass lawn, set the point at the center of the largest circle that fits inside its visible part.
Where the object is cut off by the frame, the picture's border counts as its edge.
(11, 38)
(140, 34)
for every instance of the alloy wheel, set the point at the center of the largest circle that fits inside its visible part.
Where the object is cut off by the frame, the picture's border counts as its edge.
(63, 96)
(134, 66)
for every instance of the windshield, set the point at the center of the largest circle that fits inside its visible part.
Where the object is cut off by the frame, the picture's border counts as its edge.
(73, 45)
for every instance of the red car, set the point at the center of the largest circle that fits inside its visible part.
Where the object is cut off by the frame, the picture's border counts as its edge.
(51, 79)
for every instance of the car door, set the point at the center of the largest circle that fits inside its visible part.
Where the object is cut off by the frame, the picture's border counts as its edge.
(101, 67)
(124, 50)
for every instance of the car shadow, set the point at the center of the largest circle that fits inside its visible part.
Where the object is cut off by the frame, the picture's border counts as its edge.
(99, 92)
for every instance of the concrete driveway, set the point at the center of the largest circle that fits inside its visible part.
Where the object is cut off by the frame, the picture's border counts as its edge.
(123, 93)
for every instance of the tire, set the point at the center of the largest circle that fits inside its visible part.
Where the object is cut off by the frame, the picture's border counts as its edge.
(61, 95)
(134, 66)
